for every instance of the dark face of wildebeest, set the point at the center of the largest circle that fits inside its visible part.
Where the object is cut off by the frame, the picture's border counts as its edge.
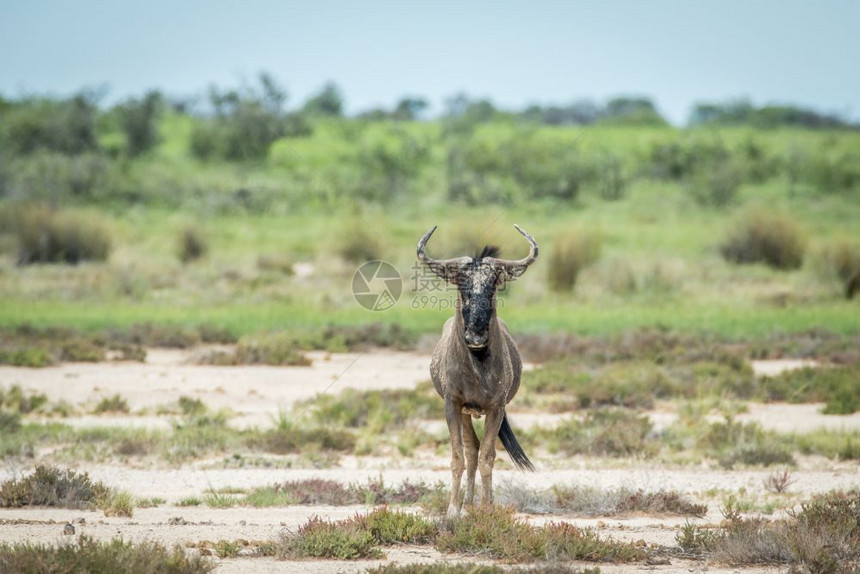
(477, 279)
(477, 283)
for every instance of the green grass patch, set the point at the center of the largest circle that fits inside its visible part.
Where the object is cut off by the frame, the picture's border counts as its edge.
(357, 537)
(89, 555)
(377, 411)
(496, 532)
(330, 492)
(837, 387)
(114, 404)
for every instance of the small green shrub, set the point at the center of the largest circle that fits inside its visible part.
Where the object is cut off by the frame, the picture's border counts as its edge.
(279, 349)
(81, 350)
(495, 532)
(604, 432)
(114, 404)
(571, 253)
(116, 503)
(10, 421)
(835, 386)
(139, 121)
(35, 357)
(46, 236)
(318, 538)
(191, 407)
(717, 186)
(696, 539)
(377, 410)
(20, 401)
(89, 555)
(289, 439)
(396, 527)
(191, 244)
(50, 486)
(764, 237)
(151, 335)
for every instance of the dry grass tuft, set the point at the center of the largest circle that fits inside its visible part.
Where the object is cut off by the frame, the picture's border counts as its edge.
(571, 253)
(778, 481)
(764, 237)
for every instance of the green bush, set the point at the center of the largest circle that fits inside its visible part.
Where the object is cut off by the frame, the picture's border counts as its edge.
(50, 486)
(246, 123)
(377, 410)
(46, 236)
(571, 253)
(55, 177)
(716, 186)
(10, 421)
(138, 118)
(764, 237)
(833, 173)
(835, 386)
(65, 126)
(604, 432)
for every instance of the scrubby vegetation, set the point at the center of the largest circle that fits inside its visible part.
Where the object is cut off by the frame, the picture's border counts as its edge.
(822, 536)
(357, 537)
(89, 555)
(765, 237)
(51, 486)
(497, 533)
(564, 499)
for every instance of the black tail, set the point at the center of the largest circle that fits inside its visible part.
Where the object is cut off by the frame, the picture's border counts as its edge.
(518, 456)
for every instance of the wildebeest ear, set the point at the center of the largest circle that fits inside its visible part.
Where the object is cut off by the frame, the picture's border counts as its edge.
(511, 272)
(448, 270)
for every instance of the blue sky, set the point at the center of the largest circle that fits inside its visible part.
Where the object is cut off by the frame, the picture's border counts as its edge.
(515, 53)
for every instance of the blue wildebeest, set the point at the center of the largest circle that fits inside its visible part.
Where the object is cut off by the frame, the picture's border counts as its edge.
(476, 366)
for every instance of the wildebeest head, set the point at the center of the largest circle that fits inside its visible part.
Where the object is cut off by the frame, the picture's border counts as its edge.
(477, 279)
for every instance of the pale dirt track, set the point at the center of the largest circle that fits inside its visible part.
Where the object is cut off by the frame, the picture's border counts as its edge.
(255, 395)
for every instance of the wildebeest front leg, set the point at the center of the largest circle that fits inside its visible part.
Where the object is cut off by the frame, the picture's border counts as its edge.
(487, 453)
(471, 444)
(455, 428)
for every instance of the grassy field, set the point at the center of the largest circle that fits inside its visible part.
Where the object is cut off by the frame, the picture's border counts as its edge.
(281, 236)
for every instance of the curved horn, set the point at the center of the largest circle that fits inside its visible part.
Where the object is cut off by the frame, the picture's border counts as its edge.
(517, 267)
(445, 268)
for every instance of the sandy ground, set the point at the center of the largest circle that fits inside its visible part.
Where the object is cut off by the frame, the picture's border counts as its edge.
(256, 394)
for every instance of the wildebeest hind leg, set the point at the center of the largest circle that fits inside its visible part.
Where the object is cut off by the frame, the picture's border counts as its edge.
(487, 453)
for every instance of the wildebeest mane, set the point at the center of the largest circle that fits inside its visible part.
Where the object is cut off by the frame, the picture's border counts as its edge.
(488, 251)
